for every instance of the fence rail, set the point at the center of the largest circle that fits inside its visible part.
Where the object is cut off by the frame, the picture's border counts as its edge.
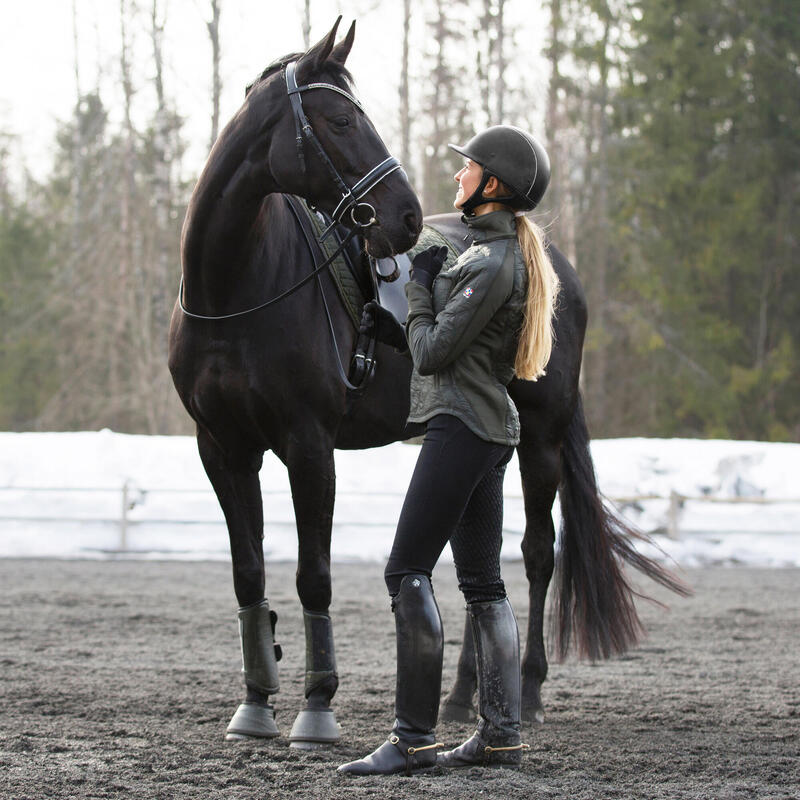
(132, 496)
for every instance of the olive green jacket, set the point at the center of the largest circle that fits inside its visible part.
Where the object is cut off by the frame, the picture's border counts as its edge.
(463, 334)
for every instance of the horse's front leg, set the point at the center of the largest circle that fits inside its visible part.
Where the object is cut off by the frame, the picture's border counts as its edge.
(540, 470)
(234, 476)
(312, 477)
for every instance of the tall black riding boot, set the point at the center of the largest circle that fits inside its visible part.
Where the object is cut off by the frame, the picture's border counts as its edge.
(496, 742)
(412, 743)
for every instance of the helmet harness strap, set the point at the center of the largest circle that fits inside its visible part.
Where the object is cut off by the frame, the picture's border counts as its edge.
(477, 199)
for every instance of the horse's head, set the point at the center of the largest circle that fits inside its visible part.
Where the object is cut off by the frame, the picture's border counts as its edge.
(344, 135)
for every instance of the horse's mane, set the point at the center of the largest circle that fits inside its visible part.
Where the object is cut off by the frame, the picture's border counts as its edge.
(337, 69)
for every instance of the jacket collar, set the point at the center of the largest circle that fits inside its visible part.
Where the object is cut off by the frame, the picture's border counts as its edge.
(491, 226)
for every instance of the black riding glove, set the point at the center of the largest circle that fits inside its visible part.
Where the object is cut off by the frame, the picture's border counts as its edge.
(427, 264)
(383, 325)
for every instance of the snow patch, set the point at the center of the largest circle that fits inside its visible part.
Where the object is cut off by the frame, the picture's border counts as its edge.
(61, 495)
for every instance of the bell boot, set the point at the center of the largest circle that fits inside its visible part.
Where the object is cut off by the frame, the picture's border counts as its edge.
(496, 742)
(412, 743)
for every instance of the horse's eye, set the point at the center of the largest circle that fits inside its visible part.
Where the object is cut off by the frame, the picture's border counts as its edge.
(341, 122)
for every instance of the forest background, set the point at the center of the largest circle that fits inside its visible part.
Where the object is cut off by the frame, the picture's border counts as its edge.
(673, 128)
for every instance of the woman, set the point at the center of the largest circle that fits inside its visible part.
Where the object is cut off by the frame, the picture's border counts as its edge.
(470, 329)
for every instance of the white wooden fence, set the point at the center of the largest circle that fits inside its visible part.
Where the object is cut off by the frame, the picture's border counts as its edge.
(130, 496)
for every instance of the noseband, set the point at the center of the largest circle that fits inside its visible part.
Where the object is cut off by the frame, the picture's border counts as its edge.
(305, 133)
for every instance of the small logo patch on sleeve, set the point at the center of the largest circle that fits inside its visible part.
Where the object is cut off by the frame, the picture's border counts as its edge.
(467, 292)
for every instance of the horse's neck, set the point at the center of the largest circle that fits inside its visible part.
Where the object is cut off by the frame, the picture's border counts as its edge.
(217, 240)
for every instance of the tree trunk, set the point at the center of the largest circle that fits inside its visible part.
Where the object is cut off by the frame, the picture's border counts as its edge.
(600, 244)
(559, 201)
(216, 82)
(483, 61)
(124, 299)
(156, 295)
(76, 189)
(436, 111)
(500, 79)
(307, 24)
(405, 112)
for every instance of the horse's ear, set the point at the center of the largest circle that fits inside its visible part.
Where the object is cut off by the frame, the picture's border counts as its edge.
(342, 50)
(313, 60)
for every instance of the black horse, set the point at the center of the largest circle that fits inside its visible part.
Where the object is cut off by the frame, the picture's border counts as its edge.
(268, 380)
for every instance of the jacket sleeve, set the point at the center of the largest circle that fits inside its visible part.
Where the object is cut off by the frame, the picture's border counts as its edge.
(436, 341)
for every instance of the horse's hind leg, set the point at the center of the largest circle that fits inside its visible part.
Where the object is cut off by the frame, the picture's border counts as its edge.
(458, 706)
(540, 469)
(234, 477)
(312, 477)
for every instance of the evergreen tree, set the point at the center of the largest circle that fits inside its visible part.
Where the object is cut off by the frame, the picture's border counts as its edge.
(28, 339)
(707, 217)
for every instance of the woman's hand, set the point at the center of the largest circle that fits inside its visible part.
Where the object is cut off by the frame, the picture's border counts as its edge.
(383, 325)
(427, 265)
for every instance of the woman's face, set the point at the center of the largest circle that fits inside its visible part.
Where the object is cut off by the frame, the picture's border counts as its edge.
(468, 178)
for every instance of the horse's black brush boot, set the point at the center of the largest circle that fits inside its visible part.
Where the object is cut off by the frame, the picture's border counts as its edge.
(496, 742)
(260, 655)
(412, 744)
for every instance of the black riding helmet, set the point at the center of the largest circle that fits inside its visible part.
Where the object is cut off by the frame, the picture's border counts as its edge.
(515, 158)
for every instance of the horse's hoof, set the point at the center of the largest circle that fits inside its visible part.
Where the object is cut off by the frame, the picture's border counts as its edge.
(252, 721)
(314, 728)
(533, 718)
(456, 712)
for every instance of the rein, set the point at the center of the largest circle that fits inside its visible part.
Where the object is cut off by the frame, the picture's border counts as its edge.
(364, 359)
(302, 282)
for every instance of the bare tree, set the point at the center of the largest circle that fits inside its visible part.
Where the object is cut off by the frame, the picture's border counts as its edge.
(126, 237)
(446, 104)
(307, 24)
(161, 171)
(159, 259)
(601, 245)
(405, 111)
(559, 135)
(114, 269)
(553, 114)
(490, 59)
(216, 81)
(77, 183)
(482, 33)
(500, 75)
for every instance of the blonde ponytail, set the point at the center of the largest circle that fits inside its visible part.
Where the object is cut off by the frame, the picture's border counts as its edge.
(536, 335)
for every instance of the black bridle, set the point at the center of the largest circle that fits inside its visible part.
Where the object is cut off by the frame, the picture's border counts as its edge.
(305, 133)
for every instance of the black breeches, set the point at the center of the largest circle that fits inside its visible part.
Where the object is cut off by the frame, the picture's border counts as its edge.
(455, 495)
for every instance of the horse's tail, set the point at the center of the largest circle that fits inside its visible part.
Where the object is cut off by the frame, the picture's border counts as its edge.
(594, 604)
